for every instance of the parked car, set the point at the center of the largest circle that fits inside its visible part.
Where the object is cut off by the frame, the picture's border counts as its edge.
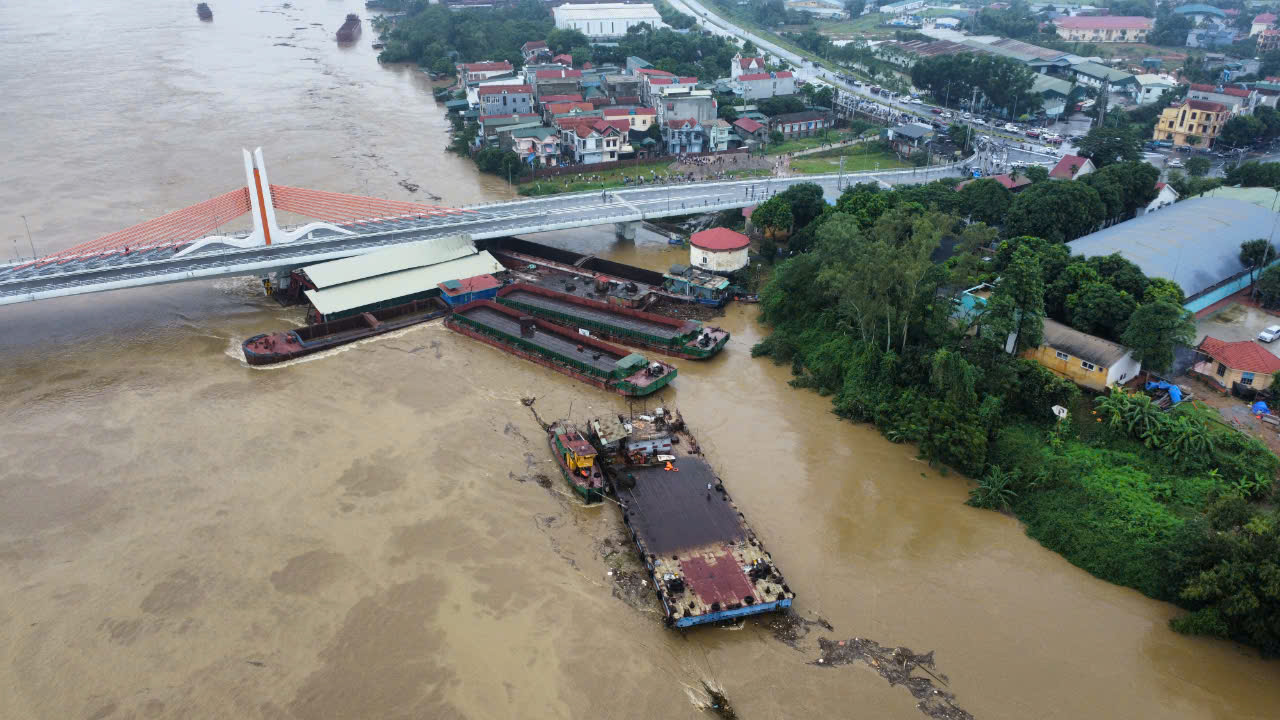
(1175, 163)
(1010, 127)
(968, 116)
(946, 115)
(1270, 333)
(1033, 133)
(936, 111)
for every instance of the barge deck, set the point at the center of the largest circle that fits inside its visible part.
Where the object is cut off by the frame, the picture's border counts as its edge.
(565, 351)
(706, 563)
(613, 321)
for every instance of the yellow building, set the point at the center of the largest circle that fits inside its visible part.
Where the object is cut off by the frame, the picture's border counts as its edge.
(1228, 363)
(1191, 118)
(1104, 28)
(1084, 359)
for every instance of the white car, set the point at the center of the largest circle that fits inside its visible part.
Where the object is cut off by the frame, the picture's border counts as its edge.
(968, 116)
(1175, 163)
(946, 115)
(1010, 127)
(1269, 334)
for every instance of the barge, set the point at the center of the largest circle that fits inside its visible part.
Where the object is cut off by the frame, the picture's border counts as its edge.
(614, 321)
(565, 351)
(277, 347)
(350, 29)
(577, 460)
(203, 11)
(706, 563)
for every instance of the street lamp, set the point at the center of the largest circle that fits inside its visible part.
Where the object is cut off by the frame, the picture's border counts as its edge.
(33, 245)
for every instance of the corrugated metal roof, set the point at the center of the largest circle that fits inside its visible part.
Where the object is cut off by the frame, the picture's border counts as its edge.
(390, 260)
(1195, 243)
(1082, 345)
(400, 284)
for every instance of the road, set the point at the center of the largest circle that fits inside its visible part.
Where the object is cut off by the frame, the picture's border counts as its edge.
(557, 212)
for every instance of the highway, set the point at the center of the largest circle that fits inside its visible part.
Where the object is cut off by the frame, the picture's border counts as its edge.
(516, 217)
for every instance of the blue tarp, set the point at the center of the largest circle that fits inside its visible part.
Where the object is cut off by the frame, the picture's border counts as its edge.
(1175, 392)
(1260, 408)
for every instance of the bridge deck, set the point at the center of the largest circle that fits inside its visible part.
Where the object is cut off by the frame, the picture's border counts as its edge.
(666, 332)
(605, 361)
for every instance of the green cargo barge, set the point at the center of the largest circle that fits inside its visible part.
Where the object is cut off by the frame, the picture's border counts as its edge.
(565, 351)
(670, 336)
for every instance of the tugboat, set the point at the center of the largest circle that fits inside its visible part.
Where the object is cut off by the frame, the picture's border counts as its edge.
(577, 460)
(204, 12)
(350, 29)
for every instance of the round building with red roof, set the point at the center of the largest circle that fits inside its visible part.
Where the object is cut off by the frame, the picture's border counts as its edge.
(718, 250)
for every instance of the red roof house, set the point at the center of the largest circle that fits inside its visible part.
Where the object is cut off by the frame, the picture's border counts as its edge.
(747, 125)
(1071, 167)
(719, 239)
(1245, 362)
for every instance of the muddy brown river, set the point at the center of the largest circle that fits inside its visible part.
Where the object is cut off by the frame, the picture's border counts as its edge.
(362, 534)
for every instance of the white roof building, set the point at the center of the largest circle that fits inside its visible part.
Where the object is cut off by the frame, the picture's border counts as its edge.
(605, 20)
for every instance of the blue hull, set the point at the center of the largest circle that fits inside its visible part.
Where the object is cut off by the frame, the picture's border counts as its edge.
(757, 609)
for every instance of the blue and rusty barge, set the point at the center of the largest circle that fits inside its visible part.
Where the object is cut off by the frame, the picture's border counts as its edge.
(561, 349)
(706, 563)
(615, 322)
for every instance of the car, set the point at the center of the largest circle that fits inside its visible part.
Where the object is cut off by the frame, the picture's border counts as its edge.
(947, 115)
(1269, 333)
(968, 116)
(936, 111)
(1010, 127)
(917, 101)
(1033, 133)
(1175, 163)
(979, 121)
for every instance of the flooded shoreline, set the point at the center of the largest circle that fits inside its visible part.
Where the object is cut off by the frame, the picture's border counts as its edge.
(365, 534)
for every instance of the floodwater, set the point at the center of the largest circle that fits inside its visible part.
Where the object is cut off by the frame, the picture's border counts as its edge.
(361, 535)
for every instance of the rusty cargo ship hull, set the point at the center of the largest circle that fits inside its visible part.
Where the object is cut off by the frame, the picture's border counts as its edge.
(267, 349)
(560, 349)
(706, 563)
(615, 322)
(350, 29)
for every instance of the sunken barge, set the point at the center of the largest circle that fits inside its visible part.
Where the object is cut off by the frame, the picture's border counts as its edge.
(566, 351)
(706, 563)
(616, 322)
(350, 29)
(271, 348)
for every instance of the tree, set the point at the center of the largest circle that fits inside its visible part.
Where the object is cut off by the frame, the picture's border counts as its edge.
(1269, 286)
(1255, 174)
(1100, 309)
(1241, 131)
(562, 40)
(773, 217)
(1017, 304)
(984, 200)
(1255, 255)
(775, 137)
(1057, 211)
(1154, 328)
(1162, 289)
(804, 200)
(1036, 173)
(749, 49)
(1170, 29)
(1107, 145)
(1198, 166)
(855, 7)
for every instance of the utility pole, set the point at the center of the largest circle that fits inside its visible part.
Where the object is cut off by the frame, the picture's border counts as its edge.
(969, 136)
(840, 179)
(33, 245)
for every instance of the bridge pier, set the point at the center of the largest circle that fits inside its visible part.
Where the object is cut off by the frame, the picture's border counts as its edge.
(626, 230)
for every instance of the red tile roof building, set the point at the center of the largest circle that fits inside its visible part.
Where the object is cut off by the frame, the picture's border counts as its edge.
(1246, 356)
(1071, 167)
(719, 239)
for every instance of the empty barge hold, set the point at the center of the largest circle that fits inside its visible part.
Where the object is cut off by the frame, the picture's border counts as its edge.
(563, 350)
(350, 29)
(290, 344)
(680, 338)
(706, 563)
(577, 460)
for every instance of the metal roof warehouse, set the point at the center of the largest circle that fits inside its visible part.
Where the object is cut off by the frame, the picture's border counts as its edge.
(1195, 243)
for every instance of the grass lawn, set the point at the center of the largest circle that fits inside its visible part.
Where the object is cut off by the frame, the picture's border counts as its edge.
(863, 24)
(611, 179)
(808, 143)
(829, 162)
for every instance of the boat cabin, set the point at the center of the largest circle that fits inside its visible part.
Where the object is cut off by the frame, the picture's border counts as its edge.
(704, 287)
(579, 455)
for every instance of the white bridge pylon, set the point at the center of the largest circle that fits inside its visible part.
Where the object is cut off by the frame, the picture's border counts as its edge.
(265, 229)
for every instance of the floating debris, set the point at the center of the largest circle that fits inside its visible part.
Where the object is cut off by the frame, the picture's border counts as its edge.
(897, 665)
(719, 704)
(411, 187)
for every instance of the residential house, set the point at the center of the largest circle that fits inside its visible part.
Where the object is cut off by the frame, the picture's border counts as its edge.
(1009, 182)
(1210, 36)
(599, 141)
(635, 64)
(1088, 361)
(907, 139)
(1104, 28)
(1071, 167)
(651, 85)
(606, 21)
(535, 51)
(500, 99)
(563, 59)
(557, 82)
(477, 71)
(616, 85)
(1261, 22)
(1227, 363)
(1198, 120)
(902, 7)
(678, 103)
(745, 66)
(557, 109)
(754, 86)
(1268, 40)
(684, 136)
(538, 146)
(817, 8)
(750, 130)
(1149, 87)
(1093, 75)
(1198, 13)
(492, 126)
(639, 118)
(720, 135)
(1165, 197)
(1238, 100)
(570, 98)
(802, 124)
